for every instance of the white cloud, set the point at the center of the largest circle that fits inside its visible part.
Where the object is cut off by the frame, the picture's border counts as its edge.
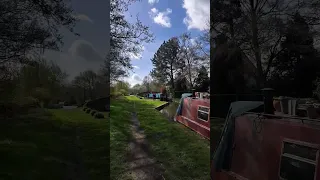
(198, 14)
(133, 79)
(136, 67)
(161, 18)
(153, 1)
(154, 10)
(80, 57)
(83, 17)
(137, 55)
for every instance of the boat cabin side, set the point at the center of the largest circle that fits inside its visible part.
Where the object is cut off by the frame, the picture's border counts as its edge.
(272, 147)
(195, 114)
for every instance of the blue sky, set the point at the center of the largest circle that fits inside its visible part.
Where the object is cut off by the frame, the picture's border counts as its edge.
(88, 51)
(166, 19)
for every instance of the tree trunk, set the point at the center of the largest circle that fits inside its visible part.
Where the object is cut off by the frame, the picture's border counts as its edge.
(189, 71)
(256, 47)
(171, 77)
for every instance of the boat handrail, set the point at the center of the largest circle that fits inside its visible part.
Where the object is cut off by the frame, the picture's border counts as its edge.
(302, 119)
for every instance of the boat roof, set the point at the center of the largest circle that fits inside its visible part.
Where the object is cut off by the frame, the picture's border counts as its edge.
(186, 95)
(199, 99)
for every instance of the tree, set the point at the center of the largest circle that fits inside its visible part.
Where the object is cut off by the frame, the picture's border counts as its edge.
(229, 68)
(256, 27)
(43, 81)
(155, 86)
(137, 88)
(181, 82)
(147, 83)
(166, 62)
(126, 39)
(189, 57)
(87, 81)
(121, 87)
(297, 66)
(28, 25)
(90, 79)
(202, 82)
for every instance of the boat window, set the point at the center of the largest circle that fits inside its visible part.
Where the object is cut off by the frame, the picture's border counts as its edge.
(204, 109)
(298, 161)
(203, 113)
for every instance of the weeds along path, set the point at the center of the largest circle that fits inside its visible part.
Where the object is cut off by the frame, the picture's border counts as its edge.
(142, 165)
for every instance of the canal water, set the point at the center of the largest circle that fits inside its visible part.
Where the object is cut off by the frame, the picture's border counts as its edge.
(170, 111)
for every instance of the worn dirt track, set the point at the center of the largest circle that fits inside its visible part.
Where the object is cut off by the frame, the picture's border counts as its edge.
(142, 166)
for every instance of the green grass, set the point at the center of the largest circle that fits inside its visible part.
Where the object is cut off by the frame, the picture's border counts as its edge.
(121, 110)
(184, 154)
(151, 102)
(43, 145)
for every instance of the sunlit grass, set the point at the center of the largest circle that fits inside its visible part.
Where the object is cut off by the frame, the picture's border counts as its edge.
(184, 154)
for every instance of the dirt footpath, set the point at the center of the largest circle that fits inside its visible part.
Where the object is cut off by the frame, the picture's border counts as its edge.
(142, 166)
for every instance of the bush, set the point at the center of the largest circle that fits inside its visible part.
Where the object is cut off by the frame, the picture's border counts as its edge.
(88, 110)
(8, 109)
(93, 112)
(116, 94)
(27, 102)
(22, 105)
(123, 92)
(85, 109)
(99, 115)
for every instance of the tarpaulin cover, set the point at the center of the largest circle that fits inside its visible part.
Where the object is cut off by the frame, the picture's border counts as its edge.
(158, 95)
(221, 154)
(184, 95)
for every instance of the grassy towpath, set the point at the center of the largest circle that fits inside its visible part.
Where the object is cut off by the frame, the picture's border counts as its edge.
(182, 153)
(54, 144)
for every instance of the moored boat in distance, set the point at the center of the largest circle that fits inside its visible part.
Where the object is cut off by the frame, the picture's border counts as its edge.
(194, 112)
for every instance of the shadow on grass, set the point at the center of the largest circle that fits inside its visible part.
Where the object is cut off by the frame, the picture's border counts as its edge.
(33, 146)
(44, 146)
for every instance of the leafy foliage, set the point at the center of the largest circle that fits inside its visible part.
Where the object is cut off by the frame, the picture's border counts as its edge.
(297, 65)
(202, 82)
(126, 40)
(28, 25)
(256, 28)
(166, 62)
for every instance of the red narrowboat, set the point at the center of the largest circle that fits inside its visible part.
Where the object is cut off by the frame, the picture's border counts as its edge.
(258, 144)
(194, 112)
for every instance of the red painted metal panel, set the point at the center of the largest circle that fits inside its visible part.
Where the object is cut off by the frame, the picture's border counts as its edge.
(190, 118)
(258, 146)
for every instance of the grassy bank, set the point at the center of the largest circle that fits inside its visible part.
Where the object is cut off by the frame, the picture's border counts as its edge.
(184, 154)
(52, 144)
(121, 110)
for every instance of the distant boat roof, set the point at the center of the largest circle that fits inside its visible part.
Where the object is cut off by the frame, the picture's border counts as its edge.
(186, 95)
